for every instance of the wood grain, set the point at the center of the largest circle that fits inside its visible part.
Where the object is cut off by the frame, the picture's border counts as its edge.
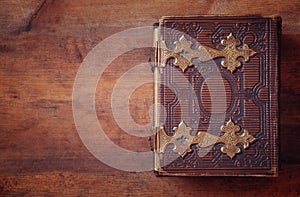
(42, 44)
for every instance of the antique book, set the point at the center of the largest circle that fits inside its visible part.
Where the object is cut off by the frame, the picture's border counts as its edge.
(216, 96)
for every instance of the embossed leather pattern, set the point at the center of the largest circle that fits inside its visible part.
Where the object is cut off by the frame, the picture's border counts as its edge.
(250, 97)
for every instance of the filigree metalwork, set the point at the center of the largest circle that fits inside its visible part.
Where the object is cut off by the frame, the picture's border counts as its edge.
(231, 139)
(182, 139)
(183, 53)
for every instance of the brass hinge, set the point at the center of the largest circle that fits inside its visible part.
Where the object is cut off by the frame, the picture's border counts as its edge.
(182, 139)
(183, 53)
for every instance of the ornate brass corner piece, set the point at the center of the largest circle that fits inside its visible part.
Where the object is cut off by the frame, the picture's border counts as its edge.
(183, 53)
(231, 139)
(182, 139)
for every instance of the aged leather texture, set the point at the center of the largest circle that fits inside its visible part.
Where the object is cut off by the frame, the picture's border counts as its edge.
(206, 96)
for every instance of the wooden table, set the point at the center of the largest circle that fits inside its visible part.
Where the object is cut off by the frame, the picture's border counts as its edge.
(42, 45)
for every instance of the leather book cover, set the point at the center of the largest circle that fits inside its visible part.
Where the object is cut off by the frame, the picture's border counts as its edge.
(216, 96)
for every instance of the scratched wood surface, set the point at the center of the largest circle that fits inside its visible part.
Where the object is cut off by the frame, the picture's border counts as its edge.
(43, 43)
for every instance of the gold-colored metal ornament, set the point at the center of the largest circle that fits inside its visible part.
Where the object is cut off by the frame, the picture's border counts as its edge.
(231, 139)
(182, 139)
(183, 53)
